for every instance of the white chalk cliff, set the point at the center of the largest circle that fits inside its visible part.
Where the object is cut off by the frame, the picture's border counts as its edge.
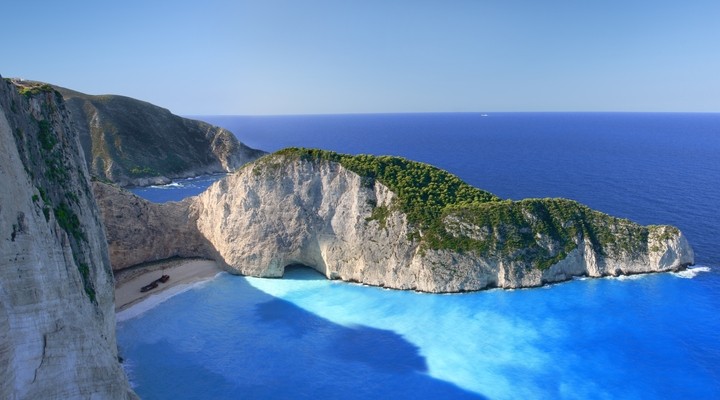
(284, 209)
(57, 321)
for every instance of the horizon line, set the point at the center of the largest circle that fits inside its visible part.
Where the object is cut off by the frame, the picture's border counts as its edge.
(481, 113)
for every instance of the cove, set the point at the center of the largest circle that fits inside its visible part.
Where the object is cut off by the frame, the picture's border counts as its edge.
(229, 340)
(306, 337)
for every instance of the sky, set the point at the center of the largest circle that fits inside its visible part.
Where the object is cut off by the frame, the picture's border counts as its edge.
(270, 57)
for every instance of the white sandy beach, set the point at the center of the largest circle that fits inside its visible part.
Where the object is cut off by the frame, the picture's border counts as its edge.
(181, 272)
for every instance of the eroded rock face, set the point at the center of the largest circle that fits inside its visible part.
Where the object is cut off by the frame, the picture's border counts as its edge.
(261, 220)
(319, 214)
(139, 231)
(57, 321)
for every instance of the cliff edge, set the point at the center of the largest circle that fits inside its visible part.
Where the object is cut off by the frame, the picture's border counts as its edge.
(134, 143)
(391, 222)
(57, 321)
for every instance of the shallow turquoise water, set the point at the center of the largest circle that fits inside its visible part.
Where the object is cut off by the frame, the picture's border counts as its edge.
(305, 337)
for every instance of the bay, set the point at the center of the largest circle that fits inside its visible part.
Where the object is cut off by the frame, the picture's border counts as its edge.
(654, 336)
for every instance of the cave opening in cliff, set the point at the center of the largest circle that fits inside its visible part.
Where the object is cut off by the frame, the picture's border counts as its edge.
(301, 272)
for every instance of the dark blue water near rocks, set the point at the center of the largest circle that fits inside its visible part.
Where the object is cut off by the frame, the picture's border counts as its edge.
(656, 336)
(177, 190)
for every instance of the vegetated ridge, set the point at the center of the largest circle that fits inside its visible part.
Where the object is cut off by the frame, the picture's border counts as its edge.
(132, 142)
(439, 206)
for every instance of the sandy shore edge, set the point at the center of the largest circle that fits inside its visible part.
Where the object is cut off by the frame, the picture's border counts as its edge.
(181, 271)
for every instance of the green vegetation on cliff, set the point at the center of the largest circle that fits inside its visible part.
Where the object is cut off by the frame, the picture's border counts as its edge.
(538, 232)
(32, 89)
(128, 141)
(46, 156)
(449, 214)
(423, 191)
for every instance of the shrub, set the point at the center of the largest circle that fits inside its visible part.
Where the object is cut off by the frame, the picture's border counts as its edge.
(46, 136)
(33, 89)
(68, 221)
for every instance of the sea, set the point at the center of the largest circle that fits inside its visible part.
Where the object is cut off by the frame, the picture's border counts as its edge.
(653, 336)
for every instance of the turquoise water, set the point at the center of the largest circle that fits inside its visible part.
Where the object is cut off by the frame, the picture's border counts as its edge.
(305, 337)
(655, 336)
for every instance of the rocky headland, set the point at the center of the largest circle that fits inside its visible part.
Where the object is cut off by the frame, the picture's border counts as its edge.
(57, 321)
(134, 143)
(390, 222)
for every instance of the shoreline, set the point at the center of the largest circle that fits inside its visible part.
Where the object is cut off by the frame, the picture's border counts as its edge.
(170, 181)
(182, 272)
(185, 273)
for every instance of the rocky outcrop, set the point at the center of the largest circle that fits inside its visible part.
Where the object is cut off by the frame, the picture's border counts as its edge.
(131, 142)
(273, 214)
(57, 321)
(139, 231)
(317, 211)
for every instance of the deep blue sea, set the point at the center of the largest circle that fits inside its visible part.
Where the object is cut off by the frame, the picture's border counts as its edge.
(303, 337)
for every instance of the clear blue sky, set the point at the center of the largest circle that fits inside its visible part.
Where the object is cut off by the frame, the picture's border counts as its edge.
(334, 56)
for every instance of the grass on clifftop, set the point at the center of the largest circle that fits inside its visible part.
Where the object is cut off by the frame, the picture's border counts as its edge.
(31, 89)
(423, 191)
(447, 213)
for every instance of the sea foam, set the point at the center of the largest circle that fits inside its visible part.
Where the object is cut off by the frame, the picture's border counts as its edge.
(691, 272)
(172, 185)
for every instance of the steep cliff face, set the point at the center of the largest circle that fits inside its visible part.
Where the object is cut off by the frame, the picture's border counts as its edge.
(287, 209)
(131, 142)
(387, 222)
(57, 323)
(139, 231)
(279, 212)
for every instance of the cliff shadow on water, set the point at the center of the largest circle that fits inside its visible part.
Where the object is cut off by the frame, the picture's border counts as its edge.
(296, 354)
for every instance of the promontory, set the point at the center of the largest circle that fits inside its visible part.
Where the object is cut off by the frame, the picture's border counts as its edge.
(135, 143)
(383, 221)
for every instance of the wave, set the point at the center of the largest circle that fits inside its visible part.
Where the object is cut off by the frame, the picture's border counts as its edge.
(129, 368)
(632, 277)
(171, 185)
(691, 272)
(155, 300)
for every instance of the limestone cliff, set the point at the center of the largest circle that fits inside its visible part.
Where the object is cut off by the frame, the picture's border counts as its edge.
(57, 322)
(139, 231)
(131, 142)
(308, 207)
(390, 222)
